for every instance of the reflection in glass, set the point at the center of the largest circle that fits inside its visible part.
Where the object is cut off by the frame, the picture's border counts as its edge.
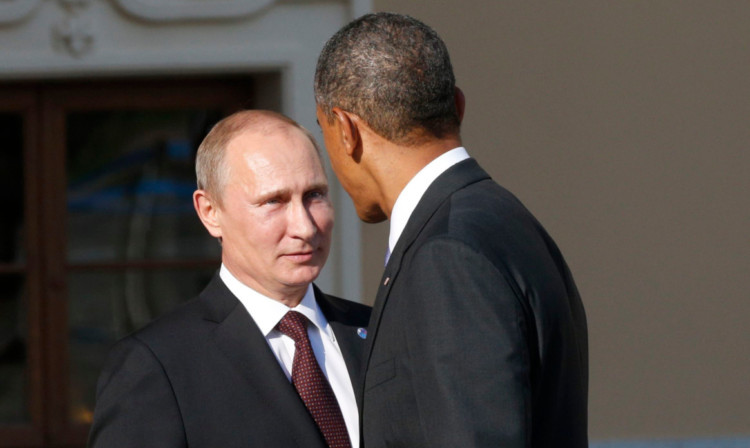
(105, 306)
(131, 176)
(13, 353)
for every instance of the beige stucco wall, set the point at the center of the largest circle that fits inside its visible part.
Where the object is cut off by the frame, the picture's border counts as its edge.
(625, 127)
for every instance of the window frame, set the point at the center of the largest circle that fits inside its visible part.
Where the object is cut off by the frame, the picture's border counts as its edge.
(44, 108)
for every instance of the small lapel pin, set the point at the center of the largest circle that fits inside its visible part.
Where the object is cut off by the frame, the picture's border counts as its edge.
(387, 279)
(362, 333)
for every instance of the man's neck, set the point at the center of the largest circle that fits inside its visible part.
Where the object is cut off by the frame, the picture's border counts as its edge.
(413, 192)
(399, 164)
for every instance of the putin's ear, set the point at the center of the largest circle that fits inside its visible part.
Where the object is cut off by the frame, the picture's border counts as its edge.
(208, 212)
(460, 101)
(348, 128)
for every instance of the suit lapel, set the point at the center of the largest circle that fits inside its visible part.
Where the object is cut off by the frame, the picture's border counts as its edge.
(351, 344)
(240, 340)
(456, 177)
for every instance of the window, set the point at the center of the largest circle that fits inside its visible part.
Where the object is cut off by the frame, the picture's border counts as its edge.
(98, 235)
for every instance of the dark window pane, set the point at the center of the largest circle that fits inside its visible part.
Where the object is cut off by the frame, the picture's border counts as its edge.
(13, 347)
(13, 353)
(11, 188)
(131, 177)
(105, 306)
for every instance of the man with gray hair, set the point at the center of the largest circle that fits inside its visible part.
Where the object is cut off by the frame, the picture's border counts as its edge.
(262, 358)
(478, 336)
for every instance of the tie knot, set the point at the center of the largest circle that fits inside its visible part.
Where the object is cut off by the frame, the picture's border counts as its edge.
(294, 325)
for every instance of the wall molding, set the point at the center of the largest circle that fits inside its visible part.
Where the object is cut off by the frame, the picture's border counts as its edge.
(74, 35)
(12, 11)
(186, 10)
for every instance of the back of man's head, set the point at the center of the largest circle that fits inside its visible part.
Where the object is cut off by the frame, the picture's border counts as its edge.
(392, 71)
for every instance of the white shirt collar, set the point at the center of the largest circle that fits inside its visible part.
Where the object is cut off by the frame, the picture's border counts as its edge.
(413, 191)
(267, 312)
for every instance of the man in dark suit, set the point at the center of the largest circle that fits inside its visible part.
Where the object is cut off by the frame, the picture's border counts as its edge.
(478, 336)
(261, 358)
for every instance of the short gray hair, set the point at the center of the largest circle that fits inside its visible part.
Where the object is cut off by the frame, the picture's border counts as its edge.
(210, 162)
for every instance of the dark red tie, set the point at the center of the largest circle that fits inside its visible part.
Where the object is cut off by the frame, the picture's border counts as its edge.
(312, 386)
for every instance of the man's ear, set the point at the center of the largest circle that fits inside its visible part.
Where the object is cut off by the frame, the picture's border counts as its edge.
(460, 100)
(208, 212)
(348, 128)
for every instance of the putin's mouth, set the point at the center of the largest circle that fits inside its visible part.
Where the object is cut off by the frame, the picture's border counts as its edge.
(299, 257)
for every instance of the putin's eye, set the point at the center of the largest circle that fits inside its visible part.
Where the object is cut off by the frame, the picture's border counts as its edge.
(317, 194)
(274, 200)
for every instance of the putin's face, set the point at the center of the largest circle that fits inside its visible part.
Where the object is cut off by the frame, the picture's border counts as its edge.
(275, 218)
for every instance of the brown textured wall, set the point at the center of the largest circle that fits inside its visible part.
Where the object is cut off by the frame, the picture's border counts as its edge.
(625, 127)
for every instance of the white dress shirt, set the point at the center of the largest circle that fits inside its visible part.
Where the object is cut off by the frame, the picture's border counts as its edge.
(413, 191)
(267, 313)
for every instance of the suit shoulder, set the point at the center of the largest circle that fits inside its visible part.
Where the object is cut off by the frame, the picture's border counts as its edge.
(489, 198)
(487, 211)
(174, 328)
(491, 221)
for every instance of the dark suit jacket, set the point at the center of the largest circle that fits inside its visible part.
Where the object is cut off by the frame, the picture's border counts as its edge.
(204, 376)
(478, 335)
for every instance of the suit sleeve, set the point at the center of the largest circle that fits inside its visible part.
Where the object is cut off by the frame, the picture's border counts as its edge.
(469, 352)
(135, 404)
